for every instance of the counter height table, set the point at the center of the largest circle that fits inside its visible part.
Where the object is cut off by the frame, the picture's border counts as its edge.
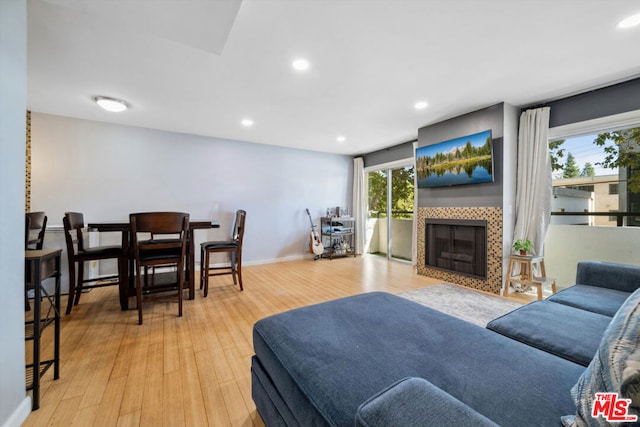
(126, 287)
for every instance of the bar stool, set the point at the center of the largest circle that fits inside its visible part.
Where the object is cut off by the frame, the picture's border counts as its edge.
(35, 226)
(77, 253)
(164, 243)
(232, 246)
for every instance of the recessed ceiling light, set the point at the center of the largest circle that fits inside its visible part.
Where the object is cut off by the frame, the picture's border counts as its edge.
(341, 138)
(247, 123)
(420, 105)
(300, 64)
(630, 21)
(111, 104)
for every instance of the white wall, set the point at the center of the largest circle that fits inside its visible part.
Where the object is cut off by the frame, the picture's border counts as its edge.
(14, 403)
(107, 171)
(565, 245)
(509, 172)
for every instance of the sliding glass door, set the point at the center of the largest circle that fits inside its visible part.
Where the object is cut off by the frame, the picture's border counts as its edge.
(390, 211)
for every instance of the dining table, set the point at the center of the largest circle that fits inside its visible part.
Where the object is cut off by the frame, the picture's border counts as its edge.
(126, 283)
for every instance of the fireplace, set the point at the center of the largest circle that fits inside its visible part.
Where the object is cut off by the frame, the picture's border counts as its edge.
(457, 245)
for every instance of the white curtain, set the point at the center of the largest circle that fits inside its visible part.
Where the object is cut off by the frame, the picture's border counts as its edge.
(359, 203)
(533, 188)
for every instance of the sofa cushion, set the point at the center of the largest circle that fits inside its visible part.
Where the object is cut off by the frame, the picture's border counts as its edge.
(565, 331)
(615, 365)
(591, 298)
(620, 277)
(329, 358)
(411, 402)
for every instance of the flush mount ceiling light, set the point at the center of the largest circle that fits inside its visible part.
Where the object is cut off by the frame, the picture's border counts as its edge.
(111, 104)
(420, 105)
(247, 123)
(341, 138)
(300, 64)
(630, 21)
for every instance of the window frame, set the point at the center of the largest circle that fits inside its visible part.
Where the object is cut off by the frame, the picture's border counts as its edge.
(602, 124)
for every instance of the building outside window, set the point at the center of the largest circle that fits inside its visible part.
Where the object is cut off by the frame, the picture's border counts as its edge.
(597, 173)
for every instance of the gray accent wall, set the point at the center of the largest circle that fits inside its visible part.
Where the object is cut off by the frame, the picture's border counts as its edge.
(14, 403)
(607, 101)
(391, 154)
(488, 194)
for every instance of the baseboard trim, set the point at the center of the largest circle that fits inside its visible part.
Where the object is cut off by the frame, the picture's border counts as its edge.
(20, 414)
(263, 261)
(274, 260)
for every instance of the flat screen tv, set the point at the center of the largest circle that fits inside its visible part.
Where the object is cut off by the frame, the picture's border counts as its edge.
(464, 160)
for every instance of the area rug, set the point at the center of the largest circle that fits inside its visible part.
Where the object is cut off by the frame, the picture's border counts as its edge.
(464, 303)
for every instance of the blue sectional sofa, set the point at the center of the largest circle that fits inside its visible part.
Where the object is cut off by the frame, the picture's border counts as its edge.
(570, 324)
(380, 360)
(601, 287)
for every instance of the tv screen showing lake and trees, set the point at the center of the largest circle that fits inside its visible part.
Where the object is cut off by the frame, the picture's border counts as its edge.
(464, 160)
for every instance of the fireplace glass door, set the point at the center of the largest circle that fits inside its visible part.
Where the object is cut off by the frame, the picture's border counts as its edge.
(457, 245)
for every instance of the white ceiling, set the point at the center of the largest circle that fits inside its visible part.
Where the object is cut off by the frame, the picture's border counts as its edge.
(201, 66)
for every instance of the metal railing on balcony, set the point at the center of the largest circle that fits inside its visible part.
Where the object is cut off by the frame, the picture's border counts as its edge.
(394, 214)
(618, 215)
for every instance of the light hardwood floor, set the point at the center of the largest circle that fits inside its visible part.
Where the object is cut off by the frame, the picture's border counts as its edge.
(193, 370)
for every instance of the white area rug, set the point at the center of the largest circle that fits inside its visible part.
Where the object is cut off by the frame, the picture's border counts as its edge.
(464, 303)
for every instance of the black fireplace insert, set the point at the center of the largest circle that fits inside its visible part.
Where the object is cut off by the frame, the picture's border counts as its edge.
(457, 245)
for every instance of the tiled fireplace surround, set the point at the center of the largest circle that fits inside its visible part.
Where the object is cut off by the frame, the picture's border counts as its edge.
(493, 216)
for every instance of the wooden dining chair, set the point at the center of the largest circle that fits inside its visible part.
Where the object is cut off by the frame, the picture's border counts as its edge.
(35, 226)
(159, 239)
(77, 254)
(232, 246)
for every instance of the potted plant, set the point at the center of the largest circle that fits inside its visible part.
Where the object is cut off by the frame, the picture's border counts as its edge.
(523, 246)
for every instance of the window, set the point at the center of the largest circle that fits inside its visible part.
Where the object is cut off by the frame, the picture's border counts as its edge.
(390, 210)
(597, 168)
(587, 188)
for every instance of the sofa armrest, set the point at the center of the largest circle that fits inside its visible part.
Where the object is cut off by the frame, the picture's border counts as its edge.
(619, 277)
(417, 402)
